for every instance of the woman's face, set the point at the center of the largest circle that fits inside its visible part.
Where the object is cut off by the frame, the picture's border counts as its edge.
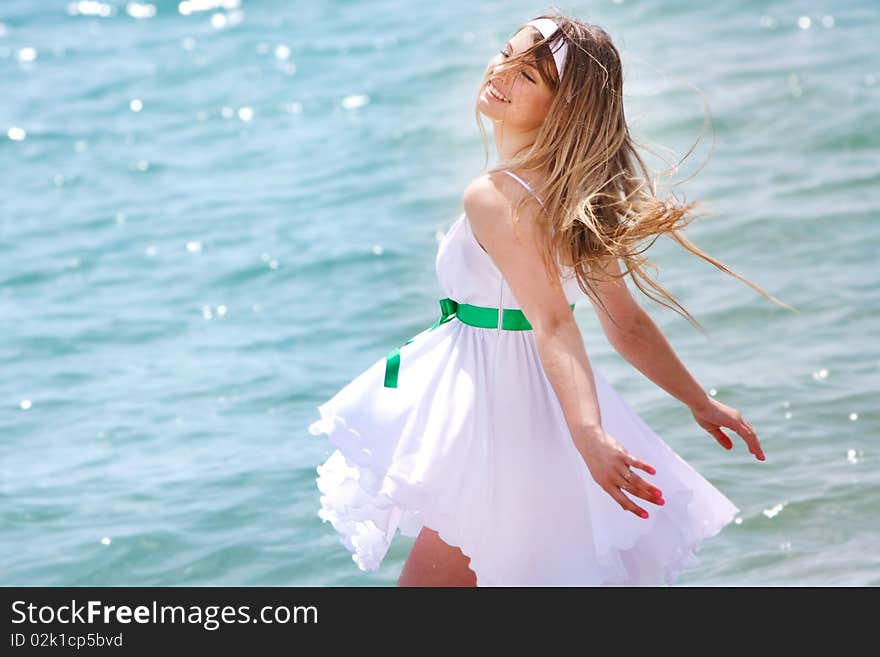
(526, 96)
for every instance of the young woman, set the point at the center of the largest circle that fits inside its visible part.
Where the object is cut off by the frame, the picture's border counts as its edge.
(489, 436)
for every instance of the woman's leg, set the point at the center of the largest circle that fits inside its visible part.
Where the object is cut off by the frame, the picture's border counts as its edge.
(432, 562)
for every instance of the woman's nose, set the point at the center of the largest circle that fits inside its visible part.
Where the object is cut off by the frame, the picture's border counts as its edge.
(500, 72)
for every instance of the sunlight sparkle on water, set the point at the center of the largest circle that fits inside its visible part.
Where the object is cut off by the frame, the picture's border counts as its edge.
(355, 101)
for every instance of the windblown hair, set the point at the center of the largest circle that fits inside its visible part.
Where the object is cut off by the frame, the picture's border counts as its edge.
(600, 198)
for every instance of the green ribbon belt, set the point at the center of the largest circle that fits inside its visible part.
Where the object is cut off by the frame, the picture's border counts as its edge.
(512, 319)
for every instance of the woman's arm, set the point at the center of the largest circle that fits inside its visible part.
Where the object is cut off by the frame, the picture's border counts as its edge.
(560, 344)
(640, 341)
(648, 350)
(487, 202)
(636, 337)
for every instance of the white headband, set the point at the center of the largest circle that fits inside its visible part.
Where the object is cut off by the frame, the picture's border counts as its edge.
(547, 27)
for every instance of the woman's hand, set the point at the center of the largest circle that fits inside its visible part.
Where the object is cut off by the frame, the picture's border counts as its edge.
(609, 463)
(712, 415)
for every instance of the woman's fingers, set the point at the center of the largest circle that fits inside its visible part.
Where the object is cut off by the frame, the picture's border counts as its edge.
(744, 429)
(722, 438)
(719, 415)
(626, 503)
(635, 484)
(633, 462)
(638, 486)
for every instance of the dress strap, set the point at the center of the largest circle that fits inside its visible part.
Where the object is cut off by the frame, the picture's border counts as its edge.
(524, 184)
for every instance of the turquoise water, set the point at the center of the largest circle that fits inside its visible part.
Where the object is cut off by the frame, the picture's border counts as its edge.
(207, 216)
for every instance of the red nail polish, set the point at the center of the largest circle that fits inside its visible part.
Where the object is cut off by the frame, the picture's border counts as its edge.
(644, 514)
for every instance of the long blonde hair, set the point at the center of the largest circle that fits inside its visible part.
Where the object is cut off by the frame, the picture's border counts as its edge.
(596, 204)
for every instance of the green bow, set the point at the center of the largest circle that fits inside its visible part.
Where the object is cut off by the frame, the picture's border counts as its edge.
(512, 319)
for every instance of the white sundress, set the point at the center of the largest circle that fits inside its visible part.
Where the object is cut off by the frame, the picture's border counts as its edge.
(472, 443)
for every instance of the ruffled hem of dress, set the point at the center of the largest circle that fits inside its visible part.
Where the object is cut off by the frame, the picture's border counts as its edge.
(689, 558)
(366, 509)
(684, 555)
(354, 498)
(681, 554)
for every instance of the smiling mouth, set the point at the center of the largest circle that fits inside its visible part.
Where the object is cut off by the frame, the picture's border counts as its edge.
(497, 95)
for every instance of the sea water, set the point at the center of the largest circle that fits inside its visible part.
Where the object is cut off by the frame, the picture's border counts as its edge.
(209, 208)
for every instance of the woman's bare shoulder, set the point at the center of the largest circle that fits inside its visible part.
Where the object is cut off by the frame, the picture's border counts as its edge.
(495, 193)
